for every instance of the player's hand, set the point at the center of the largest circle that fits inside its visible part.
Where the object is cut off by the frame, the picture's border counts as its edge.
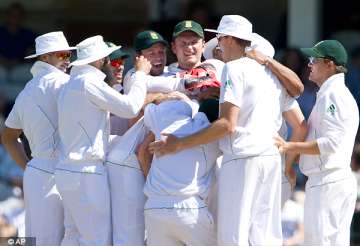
(168, 145)
(175, 95)
(280, 143)
(291, 176)
(257, 56)
(142, 64)
(143, 155)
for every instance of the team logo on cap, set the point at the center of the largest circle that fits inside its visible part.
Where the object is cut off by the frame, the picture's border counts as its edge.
(188, 24)
(154, 35)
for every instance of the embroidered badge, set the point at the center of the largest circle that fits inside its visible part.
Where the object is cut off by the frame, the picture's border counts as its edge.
(228, 83)
(188, 24)
(331, 109)
(154, 35)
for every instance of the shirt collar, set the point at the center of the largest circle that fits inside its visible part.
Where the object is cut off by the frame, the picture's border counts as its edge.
(337, 78)
(84, 69)
(40, 68)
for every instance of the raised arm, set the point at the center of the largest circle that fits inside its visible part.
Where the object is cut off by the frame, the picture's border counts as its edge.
(287, 77)
(126, 106)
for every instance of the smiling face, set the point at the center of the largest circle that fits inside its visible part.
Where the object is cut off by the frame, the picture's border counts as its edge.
(188, 48)
(156, 54)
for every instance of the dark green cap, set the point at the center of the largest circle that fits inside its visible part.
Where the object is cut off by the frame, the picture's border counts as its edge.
(188, 25)
(146, 39)
(117, 53)
(329, 49)
(210, 107)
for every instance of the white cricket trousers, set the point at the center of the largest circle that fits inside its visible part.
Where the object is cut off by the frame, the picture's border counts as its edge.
(44, 213)
(329, 208)
(85, 192)
(179, 227)
(249, 209)
(127, 204)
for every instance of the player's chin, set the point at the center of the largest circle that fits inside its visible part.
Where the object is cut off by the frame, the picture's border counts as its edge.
(191, 60)
(158, 70)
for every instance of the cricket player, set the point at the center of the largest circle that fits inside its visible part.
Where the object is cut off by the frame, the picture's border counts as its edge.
(262, 51)
(177, 185)
(248, 211)
(126, 179)
(126, 172)
(84, 105)
(35, 114)
(326, 153)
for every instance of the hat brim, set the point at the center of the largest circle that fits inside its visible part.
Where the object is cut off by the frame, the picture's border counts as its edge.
(201, 35)
(50, 51)
(123, 56)
(209, 47)
(164, 42)
(79, 62)
(310, 52)
(236, 35)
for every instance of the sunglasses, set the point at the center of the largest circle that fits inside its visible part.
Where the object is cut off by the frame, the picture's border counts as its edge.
(63, 55)
(116, 63)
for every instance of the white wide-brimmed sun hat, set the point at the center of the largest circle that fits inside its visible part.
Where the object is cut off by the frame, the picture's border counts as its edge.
(258, 43)
(209, 47)
(50, 42)
(235, 26)
(92, 49)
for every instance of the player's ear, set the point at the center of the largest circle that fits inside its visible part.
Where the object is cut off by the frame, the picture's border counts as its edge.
(173, 47)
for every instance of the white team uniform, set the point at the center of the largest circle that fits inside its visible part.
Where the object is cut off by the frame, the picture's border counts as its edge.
(125, 176)
(84, 105)
(126, 187)
(331, 186)
(35, 112)
(250, 175)
(177, 185)
(127, 171)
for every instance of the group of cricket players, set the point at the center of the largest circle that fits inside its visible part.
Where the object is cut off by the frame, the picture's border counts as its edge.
(202, 154)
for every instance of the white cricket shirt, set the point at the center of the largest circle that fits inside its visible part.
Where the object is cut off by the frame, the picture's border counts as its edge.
(259, 95)
(188, 172)
(333, 123)
(84, 105)
(35, 110)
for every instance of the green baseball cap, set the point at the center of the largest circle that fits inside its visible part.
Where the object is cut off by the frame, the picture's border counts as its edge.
(329, 49)
(146, 39)
(188, 25)
(117, 53)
